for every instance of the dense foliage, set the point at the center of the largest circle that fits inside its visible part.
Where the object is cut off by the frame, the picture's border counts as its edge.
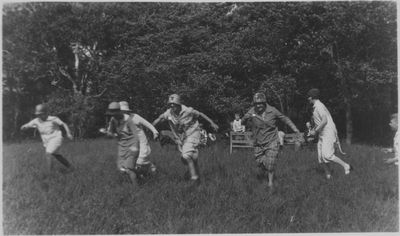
(79, 56)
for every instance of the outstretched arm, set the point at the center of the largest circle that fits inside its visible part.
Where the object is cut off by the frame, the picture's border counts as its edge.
(69, 135)
(287, 121)
(28, 125)
(213, 125)
(147, 124)
(158, 120)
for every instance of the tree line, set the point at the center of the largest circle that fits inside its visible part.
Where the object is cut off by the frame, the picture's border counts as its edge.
(78, 56)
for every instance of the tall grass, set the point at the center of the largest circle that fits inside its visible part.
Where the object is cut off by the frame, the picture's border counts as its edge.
(95, 199)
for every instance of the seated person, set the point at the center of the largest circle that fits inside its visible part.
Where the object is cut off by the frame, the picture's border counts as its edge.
(237, 124)
(393, 125)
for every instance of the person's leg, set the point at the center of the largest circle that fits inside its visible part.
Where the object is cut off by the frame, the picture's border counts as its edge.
(192, 169)
(261, 171)
(190, 154)
(132, 177)
(327, 170)
(346, 167)
(196, 166)
(49, 162)
(271, 178)
(322, 161)
(259, 155)
(328, 153)
(52, 147)
(271, 155)
(127, 163)
(62, 160)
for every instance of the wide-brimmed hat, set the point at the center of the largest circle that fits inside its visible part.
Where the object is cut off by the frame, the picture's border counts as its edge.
(124, 106)
(40, 109)
(175, 99)
(259, 98)
(113, 109)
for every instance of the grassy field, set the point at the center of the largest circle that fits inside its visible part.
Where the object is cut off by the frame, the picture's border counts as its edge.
(94, 199)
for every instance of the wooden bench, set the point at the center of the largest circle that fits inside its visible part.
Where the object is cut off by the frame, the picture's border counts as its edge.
(240, 140)
(245, 140)
(293, 138)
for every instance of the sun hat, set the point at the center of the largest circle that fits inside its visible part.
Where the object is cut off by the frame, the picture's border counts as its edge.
(175, 99)
(313, 93)
(40, 109)
(124, 106)
(113, 108)
(259, 98)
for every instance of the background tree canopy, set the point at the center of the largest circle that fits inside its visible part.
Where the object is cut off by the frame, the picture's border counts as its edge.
(77, 57)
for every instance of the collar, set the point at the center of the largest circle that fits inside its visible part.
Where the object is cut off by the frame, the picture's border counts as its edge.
(183, 109)
(315, 103)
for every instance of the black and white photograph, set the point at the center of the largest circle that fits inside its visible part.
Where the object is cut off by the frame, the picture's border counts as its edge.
(200, 117)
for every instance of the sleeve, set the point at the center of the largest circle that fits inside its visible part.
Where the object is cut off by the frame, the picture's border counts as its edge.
(142, 121)
(284, 119)
(164, 116)
(321, 111)
(248, 115)
(131, 126)
(31, 124)
(112, 126)
(194, 112)
(58, 121)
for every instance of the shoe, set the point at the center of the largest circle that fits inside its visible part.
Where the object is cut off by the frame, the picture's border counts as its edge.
(195, 182)
(328, 176)
(347, 171)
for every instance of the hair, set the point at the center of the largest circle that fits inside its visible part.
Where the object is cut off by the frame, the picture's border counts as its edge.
(393, 117)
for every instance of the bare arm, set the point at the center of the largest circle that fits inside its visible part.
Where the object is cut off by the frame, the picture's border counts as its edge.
(28, 125)
(158, 120)
(147, 124)
(324, 121)
(69, 135)
(215, 126)
(287, 121)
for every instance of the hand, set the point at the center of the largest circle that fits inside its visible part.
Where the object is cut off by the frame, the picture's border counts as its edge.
(312, 132)
(155, 135)
(391, 160)
(70, 136)
(387, 150)
(214, 126)
(103, 131)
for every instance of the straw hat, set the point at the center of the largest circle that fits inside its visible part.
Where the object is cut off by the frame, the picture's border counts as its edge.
(124, 106)
(113, 109)
(175, 99)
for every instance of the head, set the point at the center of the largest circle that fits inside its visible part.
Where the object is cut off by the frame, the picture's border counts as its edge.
(114, 110)
(393, 122)
(124, 106)
(41, 111)
(174, 102)
(260, 102)
(237, 116)
(313, 95)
